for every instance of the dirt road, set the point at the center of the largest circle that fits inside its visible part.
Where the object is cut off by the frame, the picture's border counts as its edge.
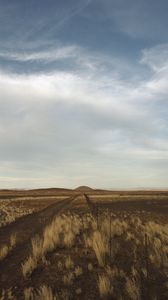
(25, 228)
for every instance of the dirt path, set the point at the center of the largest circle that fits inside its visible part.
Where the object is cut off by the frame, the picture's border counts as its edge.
(25, 228)
(92, 206)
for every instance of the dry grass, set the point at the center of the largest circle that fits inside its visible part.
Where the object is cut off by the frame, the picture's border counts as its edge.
(100, 247)
(68, 278)
(9, 211)
(7, 295)
(69, 263)
(28, 294)
(29, 266)
(6, 249)
(125, 253)
(78, 271)
(104, 286)
(61, 232)
(132, 289)
(43, 293)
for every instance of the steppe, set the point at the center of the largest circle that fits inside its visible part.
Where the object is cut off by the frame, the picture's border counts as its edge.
(62, 244)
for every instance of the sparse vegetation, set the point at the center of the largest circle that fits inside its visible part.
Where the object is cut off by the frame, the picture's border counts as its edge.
(5, 249)
(7, 295)
(143, 246)
(43, 293)
(68, 278)
(117, 255)
(78, 271)
(9, 211)
(29, 266)
(69, 263)
(104, 286)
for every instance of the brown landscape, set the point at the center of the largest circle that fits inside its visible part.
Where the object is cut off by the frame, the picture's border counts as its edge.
(83, 244)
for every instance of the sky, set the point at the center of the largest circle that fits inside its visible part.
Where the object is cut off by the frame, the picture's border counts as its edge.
(84, 93)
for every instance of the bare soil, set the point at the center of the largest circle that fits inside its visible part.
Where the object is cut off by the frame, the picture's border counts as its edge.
(25, 228)
(147, 205)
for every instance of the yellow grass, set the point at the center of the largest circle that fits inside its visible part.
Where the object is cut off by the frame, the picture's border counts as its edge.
(104, 286)
(6, 249)
(140, 243)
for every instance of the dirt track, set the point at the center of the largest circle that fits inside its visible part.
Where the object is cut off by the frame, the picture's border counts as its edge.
(28, 226)
(25, 227)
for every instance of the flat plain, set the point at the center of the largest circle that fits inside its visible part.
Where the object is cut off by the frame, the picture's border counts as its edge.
(58, 244)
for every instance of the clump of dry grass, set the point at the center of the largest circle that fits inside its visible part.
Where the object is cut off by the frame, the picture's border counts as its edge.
(37, 247)
(43, 293)
(100, 247)
(2, 295)
(29, 265)
(69, 263)
(28, 293)
(13, 240)
(7, 294)
(78, 271)
(132, 289)
(69, 240)
(104, 286)
(68, 278)
(99, 244)
(5, 249)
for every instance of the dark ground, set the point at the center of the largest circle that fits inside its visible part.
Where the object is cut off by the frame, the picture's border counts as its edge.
(147, 205)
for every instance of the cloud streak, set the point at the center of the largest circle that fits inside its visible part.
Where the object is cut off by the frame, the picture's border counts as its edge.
(42, 56)
(83, 93)
(89, 121)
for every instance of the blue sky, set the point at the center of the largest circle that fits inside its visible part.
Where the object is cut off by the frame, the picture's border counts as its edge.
(83, 93)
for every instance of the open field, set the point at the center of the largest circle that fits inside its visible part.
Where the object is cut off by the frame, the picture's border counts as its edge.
(84, 244)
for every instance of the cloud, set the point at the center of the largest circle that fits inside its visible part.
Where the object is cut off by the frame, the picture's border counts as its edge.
(42, 56)
(84, 125)
(156, 58)
(23, 25)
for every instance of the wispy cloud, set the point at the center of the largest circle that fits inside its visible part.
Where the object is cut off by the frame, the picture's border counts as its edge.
(23, 25)
(77, 121)
(42, 56)
(156, 57)
(83, 93)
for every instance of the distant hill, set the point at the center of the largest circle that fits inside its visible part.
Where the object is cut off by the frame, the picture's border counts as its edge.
(84, 188)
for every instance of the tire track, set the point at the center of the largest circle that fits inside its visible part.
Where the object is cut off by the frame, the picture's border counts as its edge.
(92, 206)
(26, 227)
